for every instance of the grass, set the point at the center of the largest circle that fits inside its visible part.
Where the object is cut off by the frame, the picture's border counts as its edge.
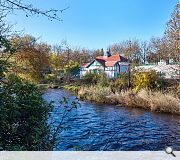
(94, 93)
(151, 100)
(43, 86)
(72, 88)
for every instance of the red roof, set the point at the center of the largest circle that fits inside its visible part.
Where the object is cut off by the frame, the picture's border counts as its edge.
(108, 61)
(101, 57)
(85, 65)
(115, 57)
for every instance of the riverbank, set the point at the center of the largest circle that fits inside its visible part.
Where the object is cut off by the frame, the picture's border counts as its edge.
(150, 100)
(155, 101)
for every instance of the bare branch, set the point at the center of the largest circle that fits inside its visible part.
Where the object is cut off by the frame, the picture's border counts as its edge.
(9, 6)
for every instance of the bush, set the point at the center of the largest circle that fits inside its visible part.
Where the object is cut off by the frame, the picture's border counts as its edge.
(145, 80)
(50, 78)
(102, 80)
(23, 116)
(92, 79)
(121, 83)
(89, 78)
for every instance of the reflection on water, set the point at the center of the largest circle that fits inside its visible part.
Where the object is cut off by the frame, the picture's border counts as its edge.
(106, 127)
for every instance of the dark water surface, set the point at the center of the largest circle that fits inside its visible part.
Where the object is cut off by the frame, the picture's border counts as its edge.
(107, 127)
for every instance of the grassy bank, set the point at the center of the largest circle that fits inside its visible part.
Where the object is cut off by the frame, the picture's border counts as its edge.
(72, 88)
(151, 100)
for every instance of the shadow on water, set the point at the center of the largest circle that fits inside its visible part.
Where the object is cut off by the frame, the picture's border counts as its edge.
(107, 127)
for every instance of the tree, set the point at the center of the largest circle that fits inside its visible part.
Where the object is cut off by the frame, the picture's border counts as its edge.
(25, 118)
(72, 67)
(31, 58)
(55, 63)
(172, 34)
(144, 51)
(98, 52)
(158, 49)
(129, 48)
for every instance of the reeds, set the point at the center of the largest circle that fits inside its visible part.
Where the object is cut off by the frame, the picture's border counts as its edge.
(151, 100)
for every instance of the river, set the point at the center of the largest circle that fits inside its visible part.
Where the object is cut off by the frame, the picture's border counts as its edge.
(97, 127)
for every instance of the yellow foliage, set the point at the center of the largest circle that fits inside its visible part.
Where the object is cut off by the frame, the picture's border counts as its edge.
(28, 77)
(145, 80)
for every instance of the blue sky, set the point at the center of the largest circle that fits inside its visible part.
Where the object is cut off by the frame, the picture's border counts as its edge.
(96, 24)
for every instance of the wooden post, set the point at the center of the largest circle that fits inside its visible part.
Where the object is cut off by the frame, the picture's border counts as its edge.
(129, 74)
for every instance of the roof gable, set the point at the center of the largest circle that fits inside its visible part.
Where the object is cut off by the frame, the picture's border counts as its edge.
(107, 61)
(100, 62)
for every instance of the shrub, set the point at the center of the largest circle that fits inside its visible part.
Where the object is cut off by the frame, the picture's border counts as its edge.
(120, 83)
(102, 80)
(92, 79)
(50, 78)
(23, 116)
(145, 80)
(99, 93)
(89, 78)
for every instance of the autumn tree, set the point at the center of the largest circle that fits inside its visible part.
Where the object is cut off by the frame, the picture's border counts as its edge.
(172, 33)
(159, 49)
(129, 48)
(32, 59)
(72, 67)
(55, 62)
(144, 51)
(98, 52)
(67, 60)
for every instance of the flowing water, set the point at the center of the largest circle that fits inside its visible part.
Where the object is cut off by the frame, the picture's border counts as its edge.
(97, 127)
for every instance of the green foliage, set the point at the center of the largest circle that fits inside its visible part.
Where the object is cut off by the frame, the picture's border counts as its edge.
(50, 78)
(102, 80)
(72, 67)
(120, 83)
(145, 80)
(23, 117)
(55, 62)
(72, 88)
(92, 79)
(89, 78)
(6, 44)
(7, 50)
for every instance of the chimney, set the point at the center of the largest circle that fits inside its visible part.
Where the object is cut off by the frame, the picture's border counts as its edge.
(107, 53)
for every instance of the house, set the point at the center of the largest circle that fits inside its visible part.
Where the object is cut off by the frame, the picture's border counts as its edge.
(111, 65)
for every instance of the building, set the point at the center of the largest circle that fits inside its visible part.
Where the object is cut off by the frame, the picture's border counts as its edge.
(164, 70)
(111, 65)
